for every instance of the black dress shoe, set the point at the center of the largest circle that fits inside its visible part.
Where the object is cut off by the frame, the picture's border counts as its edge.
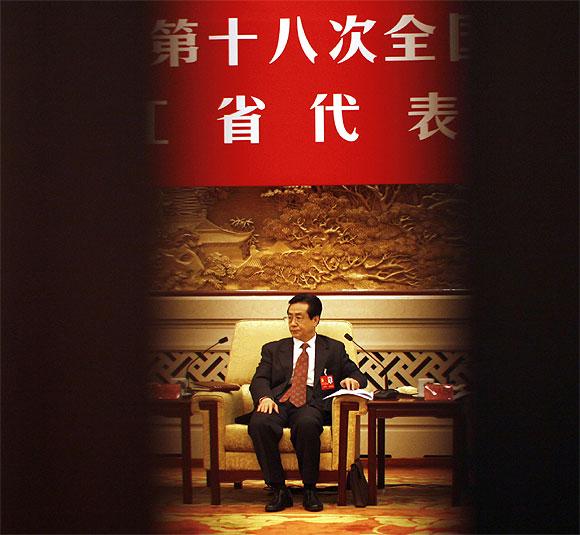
(281, 499)
(311, 502)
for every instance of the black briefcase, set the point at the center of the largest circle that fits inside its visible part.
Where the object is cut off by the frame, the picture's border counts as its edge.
(358, 484)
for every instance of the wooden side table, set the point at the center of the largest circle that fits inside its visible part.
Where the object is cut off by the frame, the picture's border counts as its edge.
(179, 408)
(380, 410)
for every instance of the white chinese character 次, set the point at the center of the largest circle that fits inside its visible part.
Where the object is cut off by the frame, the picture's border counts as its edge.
(410, 45)
(337, 109)
(232, 38)
(283, 34)
(356, 43)
(433, 107)
(242, 125)
(174, 41)
(459, 26)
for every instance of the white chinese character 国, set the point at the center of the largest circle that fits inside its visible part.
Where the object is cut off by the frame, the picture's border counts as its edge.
(356, 44)
(433, 107)
(242, 125)
(337, 109)
(174, 41)
(410, 44)
(283, 35)
(459, 26)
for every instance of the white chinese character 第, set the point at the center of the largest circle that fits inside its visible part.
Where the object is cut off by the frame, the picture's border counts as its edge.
(356, 43)
(337, 109)
(174, 41)
(433, 107)
(459, 26)
(242, 125)
(410, 45)
(283, 34)
(232, 38)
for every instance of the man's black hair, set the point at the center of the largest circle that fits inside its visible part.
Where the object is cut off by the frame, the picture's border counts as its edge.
(314, 304)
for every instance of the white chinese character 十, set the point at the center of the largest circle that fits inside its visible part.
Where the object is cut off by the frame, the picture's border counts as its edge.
(232, 38)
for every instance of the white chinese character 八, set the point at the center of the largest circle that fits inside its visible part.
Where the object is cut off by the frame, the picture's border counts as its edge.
(355, 38)
(232, 38)
(410, 45)
(459, 26)
(337, 108)
(242, 125)
(433, 107)
(174, 41)
(283, 34)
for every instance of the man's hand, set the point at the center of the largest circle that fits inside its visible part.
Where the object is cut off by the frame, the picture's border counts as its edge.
(267, 405)
(350, 384)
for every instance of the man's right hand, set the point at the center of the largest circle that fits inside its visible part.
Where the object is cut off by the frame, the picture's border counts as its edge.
(267, 405)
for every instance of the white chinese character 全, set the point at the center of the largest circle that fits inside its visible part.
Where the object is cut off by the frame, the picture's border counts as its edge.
(174, 41)
(410, 45)
(232, 38)
(337, 108)
(459, 26)
(242, 125)
(355, 38)
(433, 107)
(283, 34)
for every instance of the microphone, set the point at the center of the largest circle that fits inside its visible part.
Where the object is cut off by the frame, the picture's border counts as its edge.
(387, 393)
(186, 374)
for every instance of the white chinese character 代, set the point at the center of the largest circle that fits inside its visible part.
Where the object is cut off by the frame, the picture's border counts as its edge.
(355, 39)
(171, 40)
(337, 108)
(410, 45)
(433, 107)
(283, 34)
(232, 38)
(242, 125)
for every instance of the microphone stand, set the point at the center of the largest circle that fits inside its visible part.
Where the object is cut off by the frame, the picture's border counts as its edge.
(386, 393)
(186, 374)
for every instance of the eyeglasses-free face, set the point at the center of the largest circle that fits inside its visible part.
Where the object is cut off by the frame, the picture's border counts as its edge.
(301, 326)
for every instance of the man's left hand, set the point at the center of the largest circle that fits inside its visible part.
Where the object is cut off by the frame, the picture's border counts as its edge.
(350, 384)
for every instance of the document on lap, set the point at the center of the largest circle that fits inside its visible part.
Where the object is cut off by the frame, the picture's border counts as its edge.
(360, 392)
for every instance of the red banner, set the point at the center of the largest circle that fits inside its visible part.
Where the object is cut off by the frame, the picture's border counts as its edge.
(283, 93)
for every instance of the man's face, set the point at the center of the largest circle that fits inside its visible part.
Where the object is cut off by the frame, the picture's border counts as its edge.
(299, 322)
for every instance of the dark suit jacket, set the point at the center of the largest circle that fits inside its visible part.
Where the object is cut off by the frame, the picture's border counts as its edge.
(274, 372)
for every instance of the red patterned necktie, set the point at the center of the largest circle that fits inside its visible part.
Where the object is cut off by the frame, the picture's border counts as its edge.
(297, 392)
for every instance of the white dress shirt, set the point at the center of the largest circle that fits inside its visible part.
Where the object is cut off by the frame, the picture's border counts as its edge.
(311, 355)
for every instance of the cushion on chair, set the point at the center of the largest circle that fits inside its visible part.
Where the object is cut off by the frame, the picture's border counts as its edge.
(238, 439)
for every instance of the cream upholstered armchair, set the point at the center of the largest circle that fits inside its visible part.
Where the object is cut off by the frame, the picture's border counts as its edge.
(228, 450)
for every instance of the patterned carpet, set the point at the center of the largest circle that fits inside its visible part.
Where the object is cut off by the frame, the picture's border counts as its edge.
(417, 500)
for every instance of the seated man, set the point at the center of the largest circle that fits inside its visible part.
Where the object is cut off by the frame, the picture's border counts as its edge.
(287, 392)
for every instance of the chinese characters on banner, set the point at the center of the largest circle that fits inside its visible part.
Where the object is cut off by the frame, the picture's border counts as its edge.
(282, 93)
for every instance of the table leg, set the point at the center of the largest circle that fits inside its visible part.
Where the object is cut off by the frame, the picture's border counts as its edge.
(186, 456)
(458, 456)
(345, 408)
(381, 452)
(372, 458)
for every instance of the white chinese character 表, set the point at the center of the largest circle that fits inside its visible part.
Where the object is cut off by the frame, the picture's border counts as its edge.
(356, 44)
(459, 26)
(242, 125)
(283, 35)
(433, 107)
(232, 38)
(410, 44)
(337, 109)
(174, 42)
